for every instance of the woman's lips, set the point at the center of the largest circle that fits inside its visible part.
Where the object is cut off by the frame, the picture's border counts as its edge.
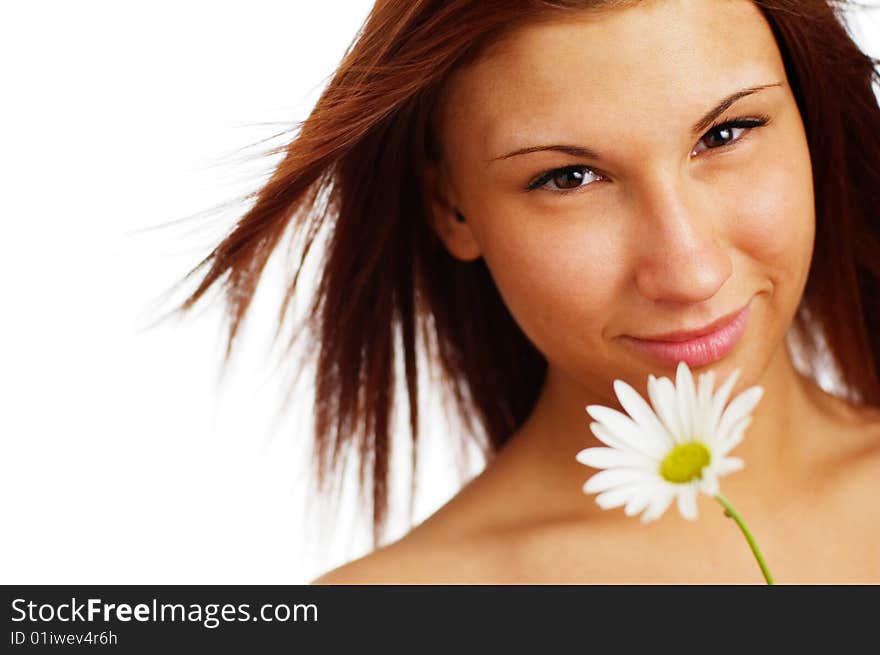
(700, 350)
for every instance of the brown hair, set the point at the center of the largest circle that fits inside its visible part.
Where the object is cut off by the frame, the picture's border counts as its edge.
(357, 163)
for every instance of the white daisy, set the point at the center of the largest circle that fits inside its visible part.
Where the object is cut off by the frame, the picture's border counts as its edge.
(673, 451)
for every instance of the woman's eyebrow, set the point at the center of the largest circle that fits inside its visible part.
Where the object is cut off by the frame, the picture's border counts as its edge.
(723, 106)
(699, 126)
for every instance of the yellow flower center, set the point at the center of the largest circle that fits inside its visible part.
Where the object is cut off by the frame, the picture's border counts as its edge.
(685, 462)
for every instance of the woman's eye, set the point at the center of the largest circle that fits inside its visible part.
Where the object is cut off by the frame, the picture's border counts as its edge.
(726, 133)
(569, 178)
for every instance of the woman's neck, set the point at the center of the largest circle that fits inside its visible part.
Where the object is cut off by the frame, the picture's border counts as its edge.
(782, 447)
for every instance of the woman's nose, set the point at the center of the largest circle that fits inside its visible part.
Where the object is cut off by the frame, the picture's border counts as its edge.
(681, 257)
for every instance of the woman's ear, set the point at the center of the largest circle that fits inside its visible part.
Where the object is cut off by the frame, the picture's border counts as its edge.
(447, 219)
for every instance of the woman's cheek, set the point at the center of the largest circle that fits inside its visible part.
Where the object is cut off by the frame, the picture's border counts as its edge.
(774, 219)
(557, 283)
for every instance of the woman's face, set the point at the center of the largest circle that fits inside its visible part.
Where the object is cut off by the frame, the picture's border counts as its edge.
(656, 222)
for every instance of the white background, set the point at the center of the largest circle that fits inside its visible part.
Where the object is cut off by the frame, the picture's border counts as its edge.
(123, 459)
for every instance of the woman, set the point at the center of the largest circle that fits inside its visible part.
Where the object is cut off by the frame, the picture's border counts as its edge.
(539, 187)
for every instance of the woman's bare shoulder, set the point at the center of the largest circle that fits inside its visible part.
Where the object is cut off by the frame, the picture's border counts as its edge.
(455, 545)
(417, 559)
(858, 439)
(387, 565)
(374, 568)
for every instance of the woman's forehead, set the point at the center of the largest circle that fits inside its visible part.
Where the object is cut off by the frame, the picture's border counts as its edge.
(621, 65)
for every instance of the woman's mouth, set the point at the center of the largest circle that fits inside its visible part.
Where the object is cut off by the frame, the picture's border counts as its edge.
(698, 347)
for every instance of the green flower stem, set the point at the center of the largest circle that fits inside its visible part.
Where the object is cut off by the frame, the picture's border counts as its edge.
(729, 511)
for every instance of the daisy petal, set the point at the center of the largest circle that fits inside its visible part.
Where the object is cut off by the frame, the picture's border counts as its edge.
(733, 435)
(687, 503)
(602, 458)
(687, 399)
(720, 399)
(637, 503)
(608, 437)
(728, 465)
(663, 398)
(704, 404)
(627, 430)
(659, 503)
(617, 496)
(709, 484)
(615, 477)
(740, 407)
(644, 416)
